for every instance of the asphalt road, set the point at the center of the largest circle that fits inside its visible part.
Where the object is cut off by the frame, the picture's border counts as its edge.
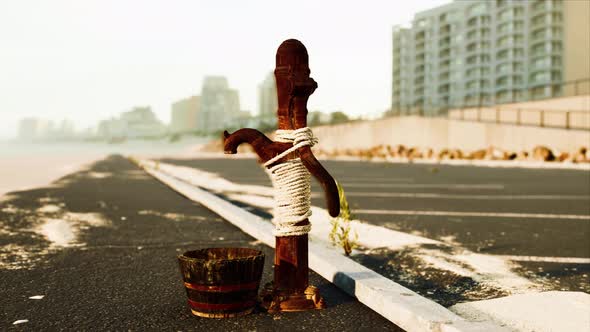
(544, 213)
(122, 274)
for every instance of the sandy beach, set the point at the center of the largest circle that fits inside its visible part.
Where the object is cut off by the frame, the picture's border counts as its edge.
(32, 165)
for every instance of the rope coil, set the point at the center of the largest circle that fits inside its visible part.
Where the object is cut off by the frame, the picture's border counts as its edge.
(292, 184)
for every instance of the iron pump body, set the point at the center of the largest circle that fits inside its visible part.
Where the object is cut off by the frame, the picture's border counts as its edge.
(291, 290)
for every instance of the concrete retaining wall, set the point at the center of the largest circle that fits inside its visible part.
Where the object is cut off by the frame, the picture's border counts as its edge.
(439, 133)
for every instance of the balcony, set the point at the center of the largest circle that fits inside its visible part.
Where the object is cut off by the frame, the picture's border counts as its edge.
(546, 49)
(510, 56)
(545, 64)
(544, 6)
(509, 82)
(544, 77)
(553, 19)
(547, 35)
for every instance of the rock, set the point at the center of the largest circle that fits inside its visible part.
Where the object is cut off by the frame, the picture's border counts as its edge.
(401, 151)
(456, 154)
(478, 154)
(543, 153)
(443, 154)
(523, 155)
(493, 153)
(561, 157)
(581, 155)
(414, 153)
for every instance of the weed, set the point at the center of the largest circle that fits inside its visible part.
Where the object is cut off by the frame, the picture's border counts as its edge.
(340, 233)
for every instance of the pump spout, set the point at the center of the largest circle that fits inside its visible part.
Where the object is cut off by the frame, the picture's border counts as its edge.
(262, 145)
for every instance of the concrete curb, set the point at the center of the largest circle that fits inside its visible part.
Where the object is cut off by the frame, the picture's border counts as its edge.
(459, 162)
(396, 303)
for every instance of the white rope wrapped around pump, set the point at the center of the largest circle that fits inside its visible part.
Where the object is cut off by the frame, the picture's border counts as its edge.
(292, 184)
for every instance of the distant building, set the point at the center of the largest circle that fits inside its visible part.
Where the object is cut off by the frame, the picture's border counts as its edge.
(317, 118)
(140, 122)
(65, 130)
(184, 114)
(241, 120)
(34, 128)
(112, 128)
(267, 97)
(488, 52)
(219, 104)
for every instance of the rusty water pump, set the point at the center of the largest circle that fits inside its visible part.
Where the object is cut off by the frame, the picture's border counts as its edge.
(290, 290)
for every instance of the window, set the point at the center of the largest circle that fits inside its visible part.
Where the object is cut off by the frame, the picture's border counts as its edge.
(539, 33)
(505, 14)
(503, 41)
(477, 9)
(503, 68)
(538, 19)
(539, 5)
(505, 27)
(541, 76)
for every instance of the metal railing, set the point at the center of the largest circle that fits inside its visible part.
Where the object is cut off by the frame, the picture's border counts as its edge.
(564, 119)
(534, 93)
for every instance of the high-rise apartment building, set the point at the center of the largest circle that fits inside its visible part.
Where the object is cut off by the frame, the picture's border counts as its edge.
(489, 52)
(219, 104)
(184, 114)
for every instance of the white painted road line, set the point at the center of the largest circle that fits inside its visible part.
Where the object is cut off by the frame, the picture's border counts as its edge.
(342, 179)
(348, 178)
(474, 214)
(571, 260)
(426, 185)
(475, 196)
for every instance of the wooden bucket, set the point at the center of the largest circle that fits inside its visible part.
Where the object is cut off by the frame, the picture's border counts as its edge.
(222, 282)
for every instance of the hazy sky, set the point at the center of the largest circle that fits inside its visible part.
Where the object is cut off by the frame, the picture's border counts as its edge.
(89, 60)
